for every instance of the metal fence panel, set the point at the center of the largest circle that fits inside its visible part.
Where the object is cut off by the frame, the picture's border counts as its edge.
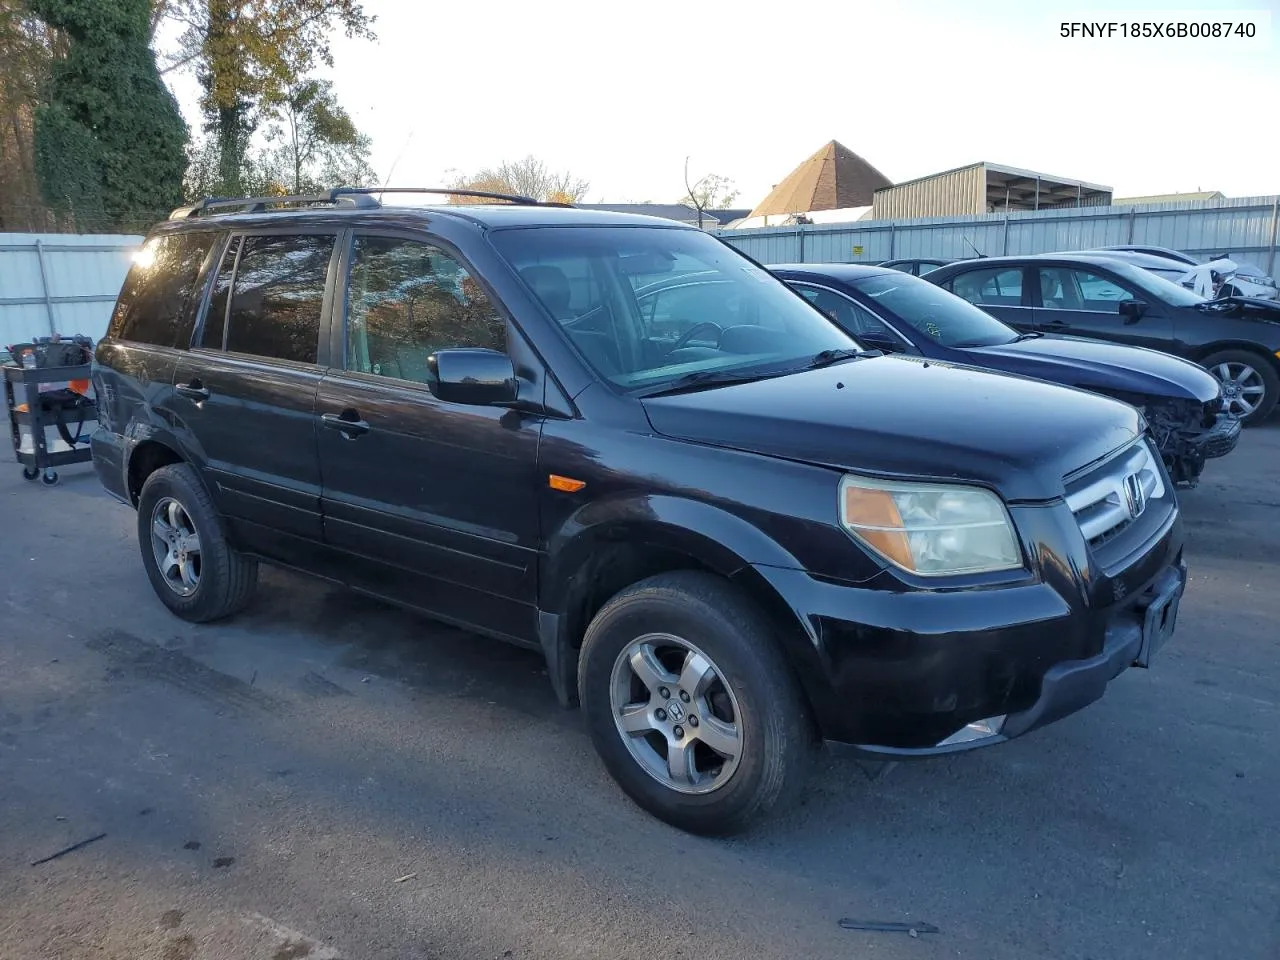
(62, 283)
(1244, 228)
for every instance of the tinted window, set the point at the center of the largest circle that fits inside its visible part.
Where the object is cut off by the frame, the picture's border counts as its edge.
(279, 288)
(405, 301)
(1062, 288)
(770, 331)
(155, 302)
(994, 287)
(929, 309)
(215, 318)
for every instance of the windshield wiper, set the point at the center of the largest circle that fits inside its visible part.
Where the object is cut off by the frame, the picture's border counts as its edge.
(704, 378)
(826, 358)
(1026, 336)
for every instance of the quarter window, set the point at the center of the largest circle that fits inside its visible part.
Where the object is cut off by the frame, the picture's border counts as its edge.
(992, 287)
(154, 305)
(277, 297)
(405, 301)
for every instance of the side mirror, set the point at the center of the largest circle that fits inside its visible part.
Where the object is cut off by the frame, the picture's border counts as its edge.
(1132, 310)
(473, 375)
(880, 340)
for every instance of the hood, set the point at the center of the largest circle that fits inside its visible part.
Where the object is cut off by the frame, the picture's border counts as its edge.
(1244, 308)
(896, 416)
(1106, 367)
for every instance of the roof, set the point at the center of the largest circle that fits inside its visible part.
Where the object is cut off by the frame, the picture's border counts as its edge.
(1013, 173)
(681, 212)
(489, 215)
(1169, 198)
(832, 178)
(839, 271)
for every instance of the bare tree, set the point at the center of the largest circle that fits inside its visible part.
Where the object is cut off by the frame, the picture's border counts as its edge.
(528, 178)
(712, 192)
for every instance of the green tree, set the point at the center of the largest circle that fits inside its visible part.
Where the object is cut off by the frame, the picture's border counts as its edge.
(109, 139)
(248, 55)
(314, 142)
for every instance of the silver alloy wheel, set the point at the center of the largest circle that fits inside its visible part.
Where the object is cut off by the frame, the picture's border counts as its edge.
(1242, 387)
(176, 546)
(676, 715)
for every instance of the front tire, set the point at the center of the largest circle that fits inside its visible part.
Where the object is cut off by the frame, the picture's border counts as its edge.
(195, 572)
(691, 705)
(1250, 384)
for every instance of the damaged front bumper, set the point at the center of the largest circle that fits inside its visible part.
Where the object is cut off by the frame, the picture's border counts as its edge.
(1187, 438)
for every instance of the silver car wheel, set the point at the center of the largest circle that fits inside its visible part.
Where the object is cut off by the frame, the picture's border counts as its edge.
(675, 713)
(1242, 387)
(175, 544)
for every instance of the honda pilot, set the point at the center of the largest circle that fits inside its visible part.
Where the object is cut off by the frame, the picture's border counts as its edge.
(734, 533)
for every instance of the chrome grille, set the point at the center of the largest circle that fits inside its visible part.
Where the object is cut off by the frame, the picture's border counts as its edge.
(1107, 500)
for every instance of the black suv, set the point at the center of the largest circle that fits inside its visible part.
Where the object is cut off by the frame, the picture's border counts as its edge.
(726, 539)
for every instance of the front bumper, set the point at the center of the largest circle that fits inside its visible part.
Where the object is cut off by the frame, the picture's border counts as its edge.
(894, 673)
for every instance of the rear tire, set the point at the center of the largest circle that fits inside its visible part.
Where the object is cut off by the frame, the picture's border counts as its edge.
(1239, 371)
(195, 572)
(700, 642)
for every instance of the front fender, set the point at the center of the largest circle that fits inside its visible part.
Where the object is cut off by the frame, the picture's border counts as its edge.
(722, 541)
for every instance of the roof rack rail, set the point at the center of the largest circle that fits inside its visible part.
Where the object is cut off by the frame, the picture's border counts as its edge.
(448, 191)
(362, 197)
(260, 204)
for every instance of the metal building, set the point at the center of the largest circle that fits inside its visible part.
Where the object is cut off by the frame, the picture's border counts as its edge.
(984, 188)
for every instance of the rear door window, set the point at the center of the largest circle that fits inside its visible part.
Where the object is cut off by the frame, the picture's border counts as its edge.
(990, 287)
(277, 296)
(156, 303)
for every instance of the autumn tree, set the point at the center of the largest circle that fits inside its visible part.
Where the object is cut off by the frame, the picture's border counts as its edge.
(26, 56)
(248, 56)
(109, 147)
(711, 192)
(529, 177)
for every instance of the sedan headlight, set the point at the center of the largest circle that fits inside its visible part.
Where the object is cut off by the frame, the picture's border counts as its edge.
(931, 529)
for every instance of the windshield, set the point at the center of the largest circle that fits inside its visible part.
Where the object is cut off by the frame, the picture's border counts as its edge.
(648, 305)
(1160, 289)
(942, 316)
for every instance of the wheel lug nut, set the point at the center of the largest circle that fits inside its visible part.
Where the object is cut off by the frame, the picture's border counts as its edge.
(664, 693)
(679, 732)
(693, 721)
(660, 714)
(684, 696)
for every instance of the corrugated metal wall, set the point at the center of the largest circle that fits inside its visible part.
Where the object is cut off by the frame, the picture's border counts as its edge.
(946, 195)
(60, 282)
(1244, 228)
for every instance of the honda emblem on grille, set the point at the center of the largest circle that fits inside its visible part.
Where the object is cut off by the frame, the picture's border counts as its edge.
(1135, 495)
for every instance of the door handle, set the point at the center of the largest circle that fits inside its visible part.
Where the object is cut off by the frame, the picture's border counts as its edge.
(193, 390)
(351, 427)
(1056, 323)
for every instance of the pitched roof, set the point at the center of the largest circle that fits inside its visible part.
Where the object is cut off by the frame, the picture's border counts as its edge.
(833, 178)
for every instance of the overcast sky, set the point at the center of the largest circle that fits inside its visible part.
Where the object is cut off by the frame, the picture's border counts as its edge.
(619, 93)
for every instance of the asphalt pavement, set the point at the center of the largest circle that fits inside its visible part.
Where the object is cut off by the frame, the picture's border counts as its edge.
(325, 777)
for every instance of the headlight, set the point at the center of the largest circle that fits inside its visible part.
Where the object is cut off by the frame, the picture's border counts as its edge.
(931, 529)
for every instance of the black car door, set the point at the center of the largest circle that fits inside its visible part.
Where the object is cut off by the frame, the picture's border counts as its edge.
(1085, 302)
(244, 395)
(435, 502)
(1001, 291)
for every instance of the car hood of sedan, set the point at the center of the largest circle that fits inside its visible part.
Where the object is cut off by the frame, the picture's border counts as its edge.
(1105, 367)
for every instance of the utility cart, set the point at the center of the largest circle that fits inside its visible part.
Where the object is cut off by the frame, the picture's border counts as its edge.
(51, 415)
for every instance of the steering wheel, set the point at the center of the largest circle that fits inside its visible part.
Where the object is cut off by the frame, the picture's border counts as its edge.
(692, 331)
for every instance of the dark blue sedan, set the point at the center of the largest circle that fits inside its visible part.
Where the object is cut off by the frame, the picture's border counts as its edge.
(898, 313)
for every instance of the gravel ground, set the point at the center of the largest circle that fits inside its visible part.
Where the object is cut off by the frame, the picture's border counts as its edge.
(325, 777)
